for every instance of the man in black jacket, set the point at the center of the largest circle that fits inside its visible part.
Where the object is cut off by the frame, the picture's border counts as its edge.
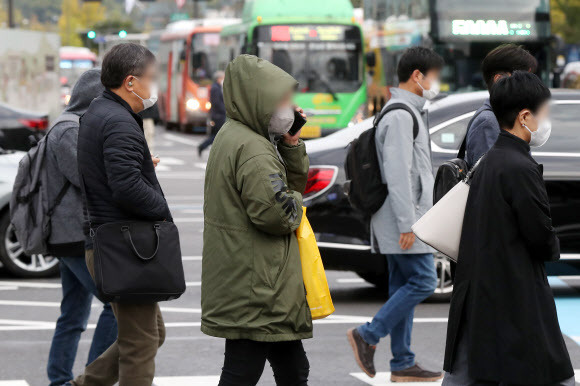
(120, 185)
(217, 111)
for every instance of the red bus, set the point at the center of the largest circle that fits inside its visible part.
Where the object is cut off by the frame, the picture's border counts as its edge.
(188, 60)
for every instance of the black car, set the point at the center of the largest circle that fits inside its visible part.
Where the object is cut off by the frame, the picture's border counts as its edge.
(17, 127)
(343, 233)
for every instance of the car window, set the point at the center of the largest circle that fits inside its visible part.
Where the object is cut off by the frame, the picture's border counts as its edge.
(450, 137)
(565, 137)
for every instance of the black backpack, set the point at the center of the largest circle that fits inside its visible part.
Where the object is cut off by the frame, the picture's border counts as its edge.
(364, 184)
(451, 172)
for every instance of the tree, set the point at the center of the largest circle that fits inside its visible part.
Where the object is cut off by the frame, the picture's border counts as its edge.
(75, 19)
(566, 19)
(70, 23)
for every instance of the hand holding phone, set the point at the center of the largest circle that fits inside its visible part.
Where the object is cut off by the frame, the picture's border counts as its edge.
(299, 121)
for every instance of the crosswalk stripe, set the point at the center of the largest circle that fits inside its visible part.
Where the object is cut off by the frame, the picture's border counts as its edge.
(177, 138)
(14, 383)
(385, 379)
(187, 381)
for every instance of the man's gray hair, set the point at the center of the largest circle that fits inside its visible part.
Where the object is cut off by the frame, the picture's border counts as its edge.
(218, 74)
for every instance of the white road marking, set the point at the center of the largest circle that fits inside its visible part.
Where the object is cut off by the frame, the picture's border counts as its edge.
(192, 211)
(191, 258)
(211, 380)
(26, 303)
(14, 383)
(170, 161)
(27, 284)
(8, 288)
(385, 379)
(193, 283)
(180, 139)
(184, 197)
(182, 175)
(162, 168)
(188, 219)
(350, 280)
(31, 325)
(201, 165)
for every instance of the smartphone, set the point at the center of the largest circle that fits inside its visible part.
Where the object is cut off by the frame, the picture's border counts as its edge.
(299, 121)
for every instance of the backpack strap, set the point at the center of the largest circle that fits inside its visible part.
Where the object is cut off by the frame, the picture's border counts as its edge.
(59, 197)
(463, 147)
(398, 106)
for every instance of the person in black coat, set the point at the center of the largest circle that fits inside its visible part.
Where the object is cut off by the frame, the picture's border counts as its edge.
(503, 328)
(217, 111)
(120, 184)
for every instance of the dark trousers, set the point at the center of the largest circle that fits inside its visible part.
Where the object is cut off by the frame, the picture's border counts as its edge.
(245, 361)
(205, 144)
(78, 289)
(131, 358)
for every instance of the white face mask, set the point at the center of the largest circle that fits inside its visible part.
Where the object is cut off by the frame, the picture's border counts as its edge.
(433, 91)
(149, 102)
(541, 135)
(281, 121)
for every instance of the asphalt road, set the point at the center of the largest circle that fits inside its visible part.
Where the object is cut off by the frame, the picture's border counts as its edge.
(29, 308)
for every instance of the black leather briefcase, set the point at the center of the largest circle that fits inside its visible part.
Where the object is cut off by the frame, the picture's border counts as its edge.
(138, 262)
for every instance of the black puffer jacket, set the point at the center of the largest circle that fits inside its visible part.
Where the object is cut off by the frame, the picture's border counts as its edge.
(115, 163)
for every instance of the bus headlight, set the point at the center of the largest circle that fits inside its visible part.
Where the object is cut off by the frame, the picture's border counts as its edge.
(192, 104)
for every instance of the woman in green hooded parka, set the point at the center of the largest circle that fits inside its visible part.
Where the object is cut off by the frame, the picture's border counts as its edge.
(252, 290)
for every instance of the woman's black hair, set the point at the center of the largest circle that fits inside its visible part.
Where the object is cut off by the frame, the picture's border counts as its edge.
(512, 94)
(418, 58)
(123, 60)
(506, 59)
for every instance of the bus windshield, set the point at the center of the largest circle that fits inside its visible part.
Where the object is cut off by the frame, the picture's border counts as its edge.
(204, 56)
(71, 70)
(323, 58)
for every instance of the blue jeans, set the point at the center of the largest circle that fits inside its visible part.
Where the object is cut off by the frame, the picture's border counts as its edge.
(78, 289)
(412, 279)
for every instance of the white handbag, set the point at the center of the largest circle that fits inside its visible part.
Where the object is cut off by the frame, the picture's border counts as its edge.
(441, 226)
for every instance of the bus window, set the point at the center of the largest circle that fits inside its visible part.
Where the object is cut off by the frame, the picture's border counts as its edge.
(322, 58)
(204, 57)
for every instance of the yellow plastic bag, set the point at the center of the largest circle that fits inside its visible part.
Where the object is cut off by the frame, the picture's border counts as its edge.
(317, 292)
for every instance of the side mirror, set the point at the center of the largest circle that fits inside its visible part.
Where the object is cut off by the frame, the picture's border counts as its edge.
(371, 59)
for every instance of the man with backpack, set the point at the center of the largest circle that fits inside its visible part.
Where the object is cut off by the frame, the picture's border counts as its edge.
(404, 159)
(67, 239)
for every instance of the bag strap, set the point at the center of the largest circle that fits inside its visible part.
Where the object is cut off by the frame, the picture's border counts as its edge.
(463, 147)
(127, 235)
(398, 106)
(59, 197)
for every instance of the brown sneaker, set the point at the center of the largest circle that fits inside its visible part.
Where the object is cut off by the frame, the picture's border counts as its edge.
(364, 353)
(415, 374)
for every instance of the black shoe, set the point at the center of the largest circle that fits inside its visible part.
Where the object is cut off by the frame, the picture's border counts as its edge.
(199, 151)
(415, 374)
(364, 353)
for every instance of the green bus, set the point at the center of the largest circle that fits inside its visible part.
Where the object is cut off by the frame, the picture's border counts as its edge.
(317, 42)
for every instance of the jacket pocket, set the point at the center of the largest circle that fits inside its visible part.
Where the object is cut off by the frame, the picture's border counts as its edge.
(270, 260)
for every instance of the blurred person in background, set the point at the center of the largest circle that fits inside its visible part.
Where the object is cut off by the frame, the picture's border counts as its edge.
(217, 111)
(67, 239)
(406, 168)
(118, 174)
(483, 129)
(252, 291)
(503, 327)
